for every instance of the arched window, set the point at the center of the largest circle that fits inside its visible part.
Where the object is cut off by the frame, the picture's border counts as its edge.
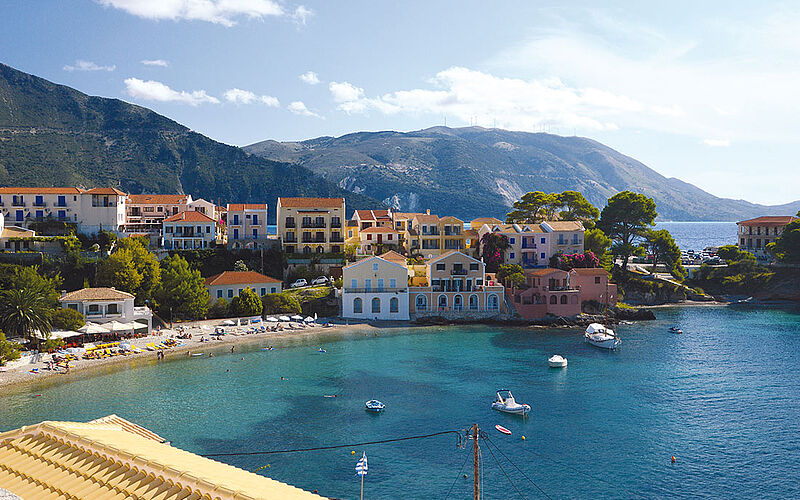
(492, 303)
(306, 249)
(376, 305)
(473, 302)
(458, 302)
(564, 299)
(442, 302)
(320, 249)
(554, 299)
(394, 305)
(422, 302)
(358, 306)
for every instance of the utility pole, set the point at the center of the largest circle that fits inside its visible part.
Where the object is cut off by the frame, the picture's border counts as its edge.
(476, 489)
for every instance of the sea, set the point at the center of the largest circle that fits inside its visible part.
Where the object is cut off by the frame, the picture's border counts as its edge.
(700, 235)
(723, 398)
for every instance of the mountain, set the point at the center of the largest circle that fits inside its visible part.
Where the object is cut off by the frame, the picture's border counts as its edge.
(472, 171)
(53, 135)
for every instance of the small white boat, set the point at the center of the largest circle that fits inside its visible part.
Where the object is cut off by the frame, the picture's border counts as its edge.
(374, 405)
(557, 361)
(505, 402)
(600, 336)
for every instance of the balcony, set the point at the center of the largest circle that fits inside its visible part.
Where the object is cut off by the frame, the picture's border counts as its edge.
(433, 232)
(459, 272)
(307, 239)
(337, 239)
(290, 225)
(335, 224)
(290, 240)
(18, 203)
(319, 240)
(39, 204)
(375, 290)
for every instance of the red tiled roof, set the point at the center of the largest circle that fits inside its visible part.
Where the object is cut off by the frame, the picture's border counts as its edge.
(378, 230)
(543, 272)
(427, 219)
(393, 256)
(373, 214)
(189, 216)
(129, 427)
(239, 278)
(480, 221)
(589, 271)
(769, 220)
(39, 190)
(158, 199)
(311, 202)
(238, 207)
(106, 191)
(99, 293)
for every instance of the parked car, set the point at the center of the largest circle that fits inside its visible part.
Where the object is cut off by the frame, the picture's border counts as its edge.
(299, 283)
(321, 280)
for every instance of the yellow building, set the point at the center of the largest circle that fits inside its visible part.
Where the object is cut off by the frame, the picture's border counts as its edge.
(431, 235)
(311, 225)
(112, 458)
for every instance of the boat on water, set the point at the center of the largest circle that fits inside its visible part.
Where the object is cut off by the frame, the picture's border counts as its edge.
(321, 350)
(557, 361)
(600, 336)
(675, 329)
(502, 429)
(505, 402)
(374, 406)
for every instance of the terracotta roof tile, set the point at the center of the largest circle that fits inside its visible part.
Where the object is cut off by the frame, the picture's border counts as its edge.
(98, 293)
(238, 207)
(378, 230)
(106, 191)
(427, 219)
(393, 256)
(39, 190)
(158, 199)
(239, 278)
(543, 272)
(480, 221)
(769, 220)
(189, 216)
(590, 271)
(563, 225)
(311, 202)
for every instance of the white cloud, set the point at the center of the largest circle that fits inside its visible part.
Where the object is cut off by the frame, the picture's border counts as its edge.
(81, 65)
(239, 96)
(151, 90)
(224, 12)
(155, 62)
(717, 143)
(309, 77)
(299, 108)
(301, 14)
(344, 91)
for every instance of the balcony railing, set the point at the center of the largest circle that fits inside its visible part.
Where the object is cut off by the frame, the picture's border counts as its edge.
(307, 239)
(291, 225)
(459, 272)
(290, 240)
(39, 204)
(336, 224)
(375, 290)
(337, 239)
(19, 203)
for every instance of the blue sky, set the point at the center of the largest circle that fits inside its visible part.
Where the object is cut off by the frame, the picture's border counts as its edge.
(703, 91)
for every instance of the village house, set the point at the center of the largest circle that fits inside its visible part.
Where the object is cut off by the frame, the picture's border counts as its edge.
(457, 288)
(548, 291)
(373, 218)
(532, 245)
(229, 284)
(90, 210)
(375, 288)
(756, 234)
(430, 236)
(103, 305)
(146, 212)
(247, 225)
(594, 285)
(189, 230)
(377, 239)
(311, 225)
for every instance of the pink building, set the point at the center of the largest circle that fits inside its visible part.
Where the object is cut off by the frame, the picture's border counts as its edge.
(593, 284)
(549, 292)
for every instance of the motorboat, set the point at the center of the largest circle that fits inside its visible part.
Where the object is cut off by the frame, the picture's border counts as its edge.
(374, 406)
(557, 361)
(505, 402)
(600, 336)
(675, 329)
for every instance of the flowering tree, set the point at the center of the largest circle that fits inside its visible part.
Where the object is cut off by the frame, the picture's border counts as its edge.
(571, 261)
(492, 247)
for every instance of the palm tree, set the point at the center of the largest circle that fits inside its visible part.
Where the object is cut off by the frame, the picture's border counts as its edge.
(24, 311)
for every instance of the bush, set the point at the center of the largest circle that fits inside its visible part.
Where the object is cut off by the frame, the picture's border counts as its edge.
(338, 283)
(246, 303)
(9, 351)
(218, 309)
(67, 319)
(275, 303)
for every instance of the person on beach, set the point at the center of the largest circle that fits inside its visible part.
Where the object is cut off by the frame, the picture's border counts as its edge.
(233, 348)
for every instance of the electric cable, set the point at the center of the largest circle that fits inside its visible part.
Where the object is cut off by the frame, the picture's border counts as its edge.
(457, 476)
(487, 439)
(503, 470)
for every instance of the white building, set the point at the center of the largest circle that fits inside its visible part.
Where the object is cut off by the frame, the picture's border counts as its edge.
(90, 210)
(189, 230)
(102, 305)
(229, 284)
(375, 288)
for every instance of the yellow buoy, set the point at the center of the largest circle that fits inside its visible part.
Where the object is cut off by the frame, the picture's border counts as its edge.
(523, 438)
(673, 459)
(353, 452)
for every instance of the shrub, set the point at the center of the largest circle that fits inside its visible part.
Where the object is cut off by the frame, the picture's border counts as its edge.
(67, 319)
(9, 351)
(218, 309)
(275, 303)
(246, 303)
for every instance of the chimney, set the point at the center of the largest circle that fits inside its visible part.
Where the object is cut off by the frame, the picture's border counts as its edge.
(428, 211)
(63, 292)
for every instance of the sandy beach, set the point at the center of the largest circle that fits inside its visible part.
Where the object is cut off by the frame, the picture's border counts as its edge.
(20, 376)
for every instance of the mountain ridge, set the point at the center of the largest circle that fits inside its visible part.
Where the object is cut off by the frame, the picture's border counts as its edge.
(497, 166)
(52, 134)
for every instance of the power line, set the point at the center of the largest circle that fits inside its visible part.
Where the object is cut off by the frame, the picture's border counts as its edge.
(487, 439)
(317, 448)
(457, 476)
(503, 470)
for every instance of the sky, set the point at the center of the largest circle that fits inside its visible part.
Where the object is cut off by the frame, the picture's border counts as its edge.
(703, 91)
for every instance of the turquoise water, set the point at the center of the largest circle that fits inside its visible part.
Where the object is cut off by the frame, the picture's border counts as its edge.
(723, 398)
(699, 235)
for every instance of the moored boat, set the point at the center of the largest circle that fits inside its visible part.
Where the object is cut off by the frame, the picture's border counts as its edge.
(600, 336)
(557, 361)
(374, 406)
(505, 402)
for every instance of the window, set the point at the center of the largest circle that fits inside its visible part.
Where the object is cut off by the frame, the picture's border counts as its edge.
(38, 200)
(94, 309)
(235, 219)
(369, 237)
(392, 283)
(512, 240)
(563, 299)
(474, 266)
(263, 291)
(168, 229)
(389, 237)
(380, 284)
(219, 294)
(39, 214)
(354, 283)
(492, 303)
(553, 299)
(273, 290)
(358, 305)
(374, 266)
(208, 229)
(422, 302)
(473, 302)
(62, 214)
(368, 284)
(394, 305)
(597, 280)
(458, 302)
(230, 293)
(442, 302)
(541, 255)
(511, 255)
(376, 305)
(543, 241)
(62, 201)
(74, 307)
(440, 267)
(255, 219)
(21, 215)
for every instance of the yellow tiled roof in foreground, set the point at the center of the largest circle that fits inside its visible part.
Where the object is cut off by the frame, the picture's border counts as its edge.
(102, 460)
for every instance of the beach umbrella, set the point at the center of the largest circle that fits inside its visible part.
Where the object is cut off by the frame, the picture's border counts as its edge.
(138, 326)
(116, 326)
(228, 322)
(284, 318)
(255, 320)
(309, 319)
(297, 317)
(272, 320)
(93, 328)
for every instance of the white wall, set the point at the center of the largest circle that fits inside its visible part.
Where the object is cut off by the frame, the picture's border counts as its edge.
(366, 298)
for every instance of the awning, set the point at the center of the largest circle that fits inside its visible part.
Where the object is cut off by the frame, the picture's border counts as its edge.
(93, 328)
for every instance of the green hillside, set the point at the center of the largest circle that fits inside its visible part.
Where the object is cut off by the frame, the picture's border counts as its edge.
(53, 135)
